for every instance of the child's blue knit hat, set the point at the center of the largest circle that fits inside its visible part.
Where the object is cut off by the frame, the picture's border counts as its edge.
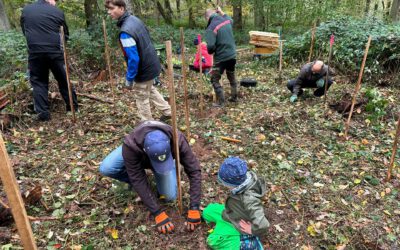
(232, 172)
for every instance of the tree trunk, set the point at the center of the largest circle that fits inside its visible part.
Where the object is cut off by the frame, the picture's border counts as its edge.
(237, 14)
(394, 12)
(367, 5)
(388, 9)
(167, 16)
(128, 6)
(191, 21)
(178, 8)
(4, 23)
(91, 11)
(259, 21)
(168, 8)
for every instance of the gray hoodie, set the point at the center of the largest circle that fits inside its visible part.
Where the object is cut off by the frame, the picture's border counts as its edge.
(244, 203)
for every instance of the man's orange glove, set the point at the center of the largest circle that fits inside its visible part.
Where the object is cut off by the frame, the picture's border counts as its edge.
(193, 219)
(163, 223)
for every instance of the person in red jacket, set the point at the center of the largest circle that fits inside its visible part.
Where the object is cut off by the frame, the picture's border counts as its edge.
(149, 146)
(207, 59)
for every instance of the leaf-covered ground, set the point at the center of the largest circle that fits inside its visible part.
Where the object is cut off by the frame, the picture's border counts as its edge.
(324, 192)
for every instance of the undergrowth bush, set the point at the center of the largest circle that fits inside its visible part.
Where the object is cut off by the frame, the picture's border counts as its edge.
(351, 35)
(13, 56)
(87, 49)
(377, 104)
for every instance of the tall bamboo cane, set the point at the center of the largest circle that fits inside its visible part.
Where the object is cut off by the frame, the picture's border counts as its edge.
(394, 150)
(358, 86)
(331, 42)
(312, 41)
(107, 55)
(200, 88)
(71, 102)
(168, 48)
(280, 60)
(185, 87)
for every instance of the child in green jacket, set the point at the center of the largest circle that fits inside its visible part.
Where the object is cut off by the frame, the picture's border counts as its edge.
(241, 221)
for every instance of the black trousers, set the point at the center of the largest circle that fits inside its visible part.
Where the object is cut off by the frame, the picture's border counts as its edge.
(219, 69)
(309, 84)
(39, 66)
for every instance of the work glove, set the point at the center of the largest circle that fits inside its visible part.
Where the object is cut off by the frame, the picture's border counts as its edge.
(320, 83)
(163, 223)
(193, 218)
(293, 98)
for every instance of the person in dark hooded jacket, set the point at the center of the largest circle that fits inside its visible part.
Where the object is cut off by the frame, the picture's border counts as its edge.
(241, 221)
(221, 43)
(149, 146)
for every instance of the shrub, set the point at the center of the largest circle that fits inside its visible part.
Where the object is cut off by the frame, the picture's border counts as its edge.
(351, 36)
(13, 55)
(377, 104)
(87, 49)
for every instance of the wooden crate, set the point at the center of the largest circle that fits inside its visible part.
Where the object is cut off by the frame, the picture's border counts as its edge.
(263, 50)
(264, 39)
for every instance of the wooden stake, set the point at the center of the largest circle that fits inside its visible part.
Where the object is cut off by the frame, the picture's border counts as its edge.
(280, 60)
(394, 150)
(93, 97)
(14, 197)
(358, 86)
(312, 41)
(71, 103)
(332, 40)
(175, 138)
(107, 55)
(229, 139)
(200, 88)
(185, 87)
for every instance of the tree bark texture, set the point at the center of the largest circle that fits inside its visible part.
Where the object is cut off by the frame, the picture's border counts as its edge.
(4, 23)
(191, 21)
(237, 14)
(367, 6)
(91, 11)
(259, 21)
(164, 13)
(394, 12)
(178, 8)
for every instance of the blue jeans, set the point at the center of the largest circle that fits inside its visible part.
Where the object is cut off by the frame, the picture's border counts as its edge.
(113, 166)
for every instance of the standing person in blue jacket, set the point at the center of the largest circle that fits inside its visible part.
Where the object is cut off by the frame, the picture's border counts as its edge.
(40, 23)
(143, 65)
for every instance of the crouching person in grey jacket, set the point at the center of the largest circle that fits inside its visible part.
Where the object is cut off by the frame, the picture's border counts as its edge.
(312, 75)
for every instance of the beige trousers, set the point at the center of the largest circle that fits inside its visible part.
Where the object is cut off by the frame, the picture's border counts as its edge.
(146, 92)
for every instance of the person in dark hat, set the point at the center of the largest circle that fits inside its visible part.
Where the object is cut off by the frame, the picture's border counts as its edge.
(149, 146)
(241, 221)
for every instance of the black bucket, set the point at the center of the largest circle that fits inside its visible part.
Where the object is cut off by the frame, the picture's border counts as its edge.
(248, 82)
